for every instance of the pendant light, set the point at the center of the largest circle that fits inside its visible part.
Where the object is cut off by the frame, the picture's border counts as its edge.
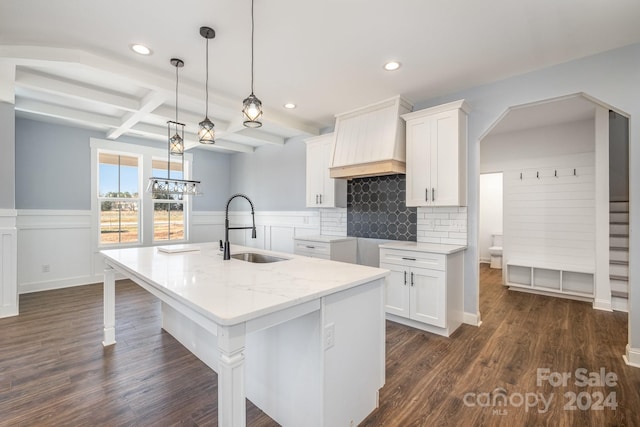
(176, 142)
(163, 188)
(251, 106)
(207, 132)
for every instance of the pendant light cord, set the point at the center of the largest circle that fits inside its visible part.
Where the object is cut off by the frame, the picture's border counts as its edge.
(252, 31)
(177, 97)
(206, 85)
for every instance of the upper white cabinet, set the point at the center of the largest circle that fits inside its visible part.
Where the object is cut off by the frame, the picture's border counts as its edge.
(437, 155)
(323, 191)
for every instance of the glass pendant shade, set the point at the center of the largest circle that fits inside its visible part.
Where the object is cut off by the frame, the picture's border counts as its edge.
(207, 132)
(176, 144)
(252, 110)
(251, 106)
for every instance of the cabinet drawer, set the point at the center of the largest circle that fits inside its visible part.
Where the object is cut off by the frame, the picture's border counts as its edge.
(311, 248)
(413, 259)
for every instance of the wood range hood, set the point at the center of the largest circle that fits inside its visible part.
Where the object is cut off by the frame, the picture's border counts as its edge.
(370, 141)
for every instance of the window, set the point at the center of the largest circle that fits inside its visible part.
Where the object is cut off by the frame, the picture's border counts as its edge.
(124, 214)
(118, 198)
(168, 212)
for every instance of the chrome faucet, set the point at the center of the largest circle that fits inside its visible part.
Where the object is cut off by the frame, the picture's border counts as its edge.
(227, 250)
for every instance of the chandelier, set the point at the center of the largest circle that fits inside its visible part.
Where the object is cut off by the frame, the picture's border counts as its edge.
(163, 188)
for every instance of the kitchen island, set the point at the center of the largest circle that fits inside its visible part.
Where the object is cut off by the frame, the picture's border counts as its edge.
(303, 338)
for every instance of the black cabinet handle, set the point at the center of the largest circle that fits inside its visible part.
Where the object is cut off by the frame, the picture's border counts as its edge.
(408, 259)
(405, 278)
(412, 278)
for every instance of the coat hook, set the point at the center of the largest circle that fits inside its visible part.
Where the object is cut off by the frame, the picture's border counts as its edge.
(574, 173)
(555, 173)
(537, 174)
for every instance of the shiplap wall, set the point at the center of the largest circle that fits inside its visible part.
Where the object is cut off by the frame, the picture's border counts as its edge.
(550, 220)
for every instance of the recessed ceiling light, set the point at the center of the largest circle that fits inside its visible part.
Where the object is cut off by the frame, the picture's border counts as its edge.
(141, 49)
(289, 105)
(392, 65)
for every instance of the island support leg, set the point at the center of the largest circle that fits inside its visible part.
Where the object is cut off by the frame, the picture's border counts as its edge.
(231, 395)
(109, 307)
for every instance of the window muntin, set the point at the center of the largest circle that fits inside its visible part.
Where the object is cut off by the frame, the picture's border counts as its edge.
(118, 198)
(168, 210)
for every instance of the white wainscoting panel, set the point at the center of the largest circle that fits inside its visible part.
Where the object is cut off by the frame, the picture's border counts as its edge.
(8, 263)
(54, 250)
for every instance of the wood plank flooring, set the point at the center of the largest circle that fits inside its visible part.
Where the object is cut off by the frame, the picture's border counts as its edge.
(54, 370)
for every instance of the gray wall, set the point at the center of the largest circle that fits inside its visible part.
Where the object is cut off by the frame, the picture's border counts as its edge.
(612, 77)
(212, 169)
(7, 156)
(273, 177)
(53, 168)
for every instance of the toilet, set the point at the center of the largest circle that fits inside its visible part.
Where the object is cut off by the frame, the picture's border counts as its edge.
(495, 251)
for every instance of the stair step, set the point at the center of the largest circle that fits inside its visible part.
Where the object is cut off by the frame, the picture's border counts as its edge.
(619, 205)
(619, 262)
(620, 294)
(619, 278)
(618, 217)
(622, 256)
(622, 229)
(618, 270)
(619, 241)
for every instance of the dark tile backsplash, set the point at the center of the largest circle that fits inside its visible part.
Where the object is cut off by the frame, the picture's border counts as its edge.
(376, 209)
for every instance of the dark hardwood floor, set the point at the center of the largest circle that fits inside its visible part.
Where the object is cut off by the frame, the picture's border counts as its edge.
(54, 370)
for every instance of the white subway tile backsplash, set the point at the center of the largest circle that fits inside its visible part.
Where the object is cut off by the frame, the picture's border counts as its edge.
(446, 225)
(333, 222)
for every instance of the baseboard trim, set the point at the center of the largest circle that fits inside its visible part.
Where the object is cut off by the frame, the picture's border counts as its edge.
(632, 357)
(8, 311)
(601, 304)
(472, 319)
(68, 282)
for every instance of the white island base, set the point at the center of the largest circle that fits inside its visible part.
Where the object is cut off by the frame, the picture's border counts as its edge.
(296, 374)
(303, 339)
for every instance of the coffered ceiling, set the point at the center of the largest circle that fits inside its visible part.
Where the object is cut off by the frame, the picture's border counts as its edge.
(70, 61)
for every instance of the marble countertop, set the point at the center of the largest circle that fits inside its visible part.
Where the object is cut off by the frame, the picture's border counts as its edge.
(324, 239)
(230, 292)
(424, 247)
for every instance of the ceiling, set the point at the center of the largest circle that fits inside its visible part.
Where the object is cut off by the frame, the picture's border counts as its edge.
(73, 62)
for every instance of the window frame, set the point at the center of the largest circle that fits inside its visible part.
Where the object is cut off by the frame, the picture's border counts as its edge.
(146, 155)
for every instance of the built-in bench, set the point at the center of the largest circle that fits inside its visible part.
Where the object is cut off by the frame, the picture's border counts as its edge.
(570, 281)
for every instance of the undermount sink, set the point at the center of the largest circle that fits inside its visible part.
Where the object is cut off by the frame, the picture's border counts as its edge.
(256, 257)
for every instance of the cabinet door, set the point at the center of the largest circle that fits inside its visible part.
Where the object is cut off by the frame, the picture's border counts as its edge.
(428, 298)
(397, 290)
(327, 190)
(445, 167)
(419, 160)
(316, 163)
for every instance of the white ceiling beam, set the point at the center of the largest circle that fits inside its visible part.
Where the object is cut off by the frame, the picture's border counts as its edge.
(150, 102)
(261, 137)
(168, 113)
(65, 113)
(7, 86)
(160, 134)
(46, 84)
(66, 57)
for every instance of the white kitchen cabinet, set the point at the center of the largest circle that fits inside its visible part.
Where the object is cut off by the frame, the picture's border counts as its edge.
(334, 248)
(437, 155)
(322, 190)
(424, 289)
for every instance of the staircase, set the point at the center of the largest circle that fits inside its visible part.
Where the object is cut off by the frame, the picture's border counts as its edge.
(619, 249)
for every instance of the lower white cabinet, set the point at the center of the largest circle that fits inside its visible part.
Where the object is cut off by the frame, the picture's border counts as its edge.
(425, 289)
(334, 248)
